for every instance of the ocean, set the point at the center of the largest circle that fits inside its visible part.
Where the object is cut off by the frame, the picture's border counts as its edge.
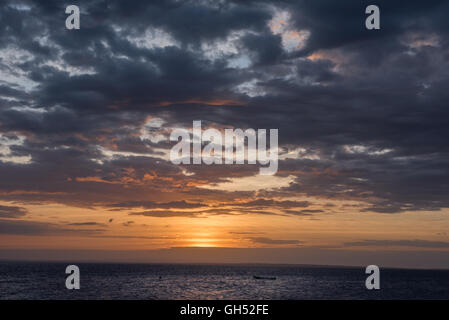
(44, 280)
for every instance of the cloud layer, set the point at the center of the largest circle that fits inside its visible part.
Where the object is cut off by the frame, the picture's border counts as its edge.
(85, 114)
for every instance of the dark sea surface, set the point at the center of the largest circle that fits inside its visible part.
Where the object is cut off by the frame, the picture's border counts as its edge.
(33, 280)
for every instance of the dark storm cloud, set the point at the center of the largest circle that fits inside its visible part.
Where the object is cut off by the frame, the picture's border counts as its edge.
(336, 24)
(267, 48)
(369, 108)
(8, 91)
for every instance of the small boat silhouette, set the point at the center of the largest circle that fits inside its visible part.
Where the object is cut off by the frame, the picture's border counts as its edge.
(264, 278)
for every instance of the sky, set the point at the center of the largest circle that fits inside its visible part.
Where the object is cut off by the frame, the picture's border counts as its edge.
(362, 116)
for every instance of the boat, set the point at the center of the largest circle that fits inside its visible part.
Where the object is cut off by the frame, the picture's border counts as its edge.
(264, 278)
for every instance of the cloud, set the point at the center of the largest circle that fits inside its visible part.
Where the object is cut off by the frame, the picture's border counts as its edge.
(132, 237)
(357, 120)
(269, 241)
(244, 232)
(88, 223)
(202, 213)
(263, 203)
(35, 228)
(155, 205)
(399, 243)
(12, 212)
(288, 255)
(311, 211)
(303, 213)
(166, 214)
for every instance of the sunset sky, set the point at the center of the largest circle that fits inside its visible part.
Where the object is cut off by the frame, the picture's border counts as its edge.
(362, 115)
